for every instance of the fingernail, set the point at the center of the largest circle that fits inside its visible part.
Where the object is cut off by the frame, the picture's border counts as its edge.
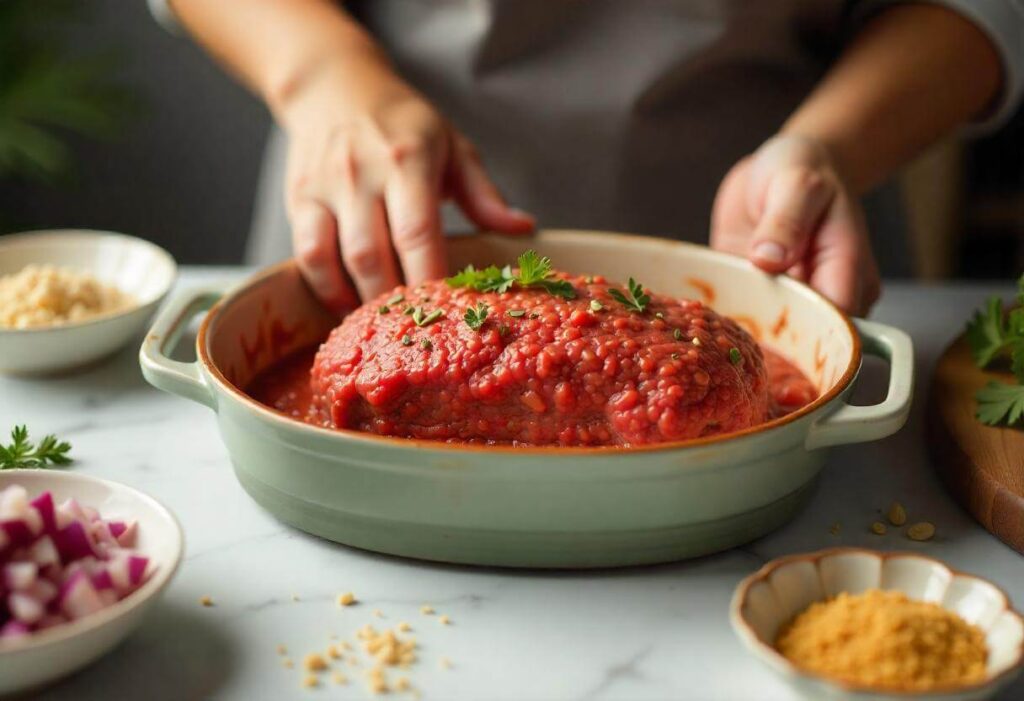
(770, 252)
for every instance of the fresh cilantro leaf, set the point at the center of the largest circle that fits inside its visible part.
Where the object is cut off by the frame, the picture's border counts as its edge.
(999, 402)
(475, 316)
(21, 452)
(987, 333)
(533, 268)
(559, 288)
(534, 271)
(637, 300)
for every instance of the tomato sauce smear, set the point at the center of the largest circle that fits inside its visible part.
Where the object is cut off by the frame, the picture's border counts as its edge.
(539, 370)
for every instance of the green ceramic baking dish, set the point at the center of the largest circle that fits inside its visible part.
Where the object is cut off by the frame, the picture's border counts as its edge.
(535, 507)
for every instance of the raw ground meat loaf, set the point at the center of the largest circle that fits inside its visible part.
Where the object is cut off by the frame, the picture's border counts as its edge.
(540, 370)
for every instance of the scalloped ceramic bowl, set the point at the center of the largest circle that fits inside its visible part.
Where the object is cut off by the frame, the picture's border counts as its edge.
(772, 596)
(49, 655)
(138, 267)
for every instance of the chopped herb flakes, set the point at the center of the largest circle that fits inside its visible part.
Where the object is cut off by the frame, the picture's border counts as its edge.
(383, 309)
(425, 319)
(396, 299)
(595, 306)
(503, 330)
(677, 334)
(516, 313)
(425, 344)
(406, 340)
(534, 271)
(735, 357)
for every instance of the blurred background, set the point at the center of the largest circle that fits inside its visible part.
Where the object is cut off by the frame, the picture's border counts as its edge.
(148, 137)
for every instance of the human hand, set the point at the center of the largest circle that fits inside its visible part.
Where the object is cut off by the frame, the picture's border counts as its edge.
(787, 208)
(369, 164)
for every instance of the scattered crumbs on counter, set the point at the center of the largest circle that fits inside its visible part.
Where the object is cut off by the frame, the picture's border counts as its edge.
(445, 663)
(314, 662)
(346, 645)
(333, 636)
(376, 680)
(295, 597)
(921, 531)
(897, 514)
(281, 649)
(444, 620)
(206, 601)
(346, 599)
(310, 681)
(878, 528)
(377, 613)
(427, 610)
(835, 528)
(404, 627)
(339, 678)
(333, 652)
(353, 662)
(402, 684)
(287, 663)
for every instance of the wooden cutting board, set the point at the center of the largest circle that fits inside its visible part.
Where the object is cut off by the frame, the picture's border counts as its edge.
(982, 466)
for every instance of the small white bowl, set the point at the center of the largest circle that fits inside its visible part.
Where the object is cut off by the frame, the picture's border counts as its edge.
(772, 596)
(137, 267)
(48, 655)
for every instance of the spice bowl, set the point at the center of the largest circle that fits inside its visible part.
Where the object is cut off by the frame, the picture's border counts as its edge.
(768, 599)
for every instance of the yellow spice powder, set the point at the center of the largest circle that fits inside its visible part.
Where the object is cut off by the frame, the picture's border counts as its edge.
(884, 640)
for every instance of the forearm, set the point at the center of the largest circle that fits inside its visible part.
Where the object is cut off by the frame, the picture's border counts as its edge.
(276, 47)
(914, 73)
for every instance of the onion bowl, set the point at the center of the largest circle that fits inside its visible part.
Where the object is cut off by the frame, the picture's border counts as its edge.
(535, 506)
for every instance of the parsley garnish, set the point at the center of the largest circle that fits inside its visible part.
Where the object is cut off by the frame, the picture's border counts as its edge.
(475, 316)
(21, 453)
(990, 336)
(534, 271)
(383, 309)
(677, 334)
(406, 340)
(425, 344)
(637, 300)
(735, 357)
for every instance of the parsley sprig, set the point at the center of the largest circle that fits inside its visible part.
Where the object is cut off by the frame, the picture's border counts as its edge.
(636, 301)
(21, 453)
(534, 271)
(993, 334)
(475, 316)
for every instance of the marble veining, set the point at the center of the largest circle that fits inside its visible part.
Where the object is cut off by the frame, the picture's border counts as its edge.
(646, 633)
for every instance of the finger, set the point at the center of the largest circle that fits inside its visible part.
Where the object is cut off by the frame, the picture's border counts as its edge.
(840, 258)
(731, 225)
(365, 242)
(477, 195)
(412, 199)
(794, 202)
(315, 243)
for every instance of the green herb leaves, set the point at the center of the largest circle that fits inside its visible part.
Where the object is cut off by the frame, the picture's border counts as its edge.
(21, 453)
(420, 318)
(991, 336)
(475, 316)
(534, 271)
(637, 300)
(735, 357)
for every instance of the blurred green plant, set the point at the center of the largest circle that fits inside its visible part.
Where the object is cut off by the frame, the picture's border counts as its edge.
(48, 92)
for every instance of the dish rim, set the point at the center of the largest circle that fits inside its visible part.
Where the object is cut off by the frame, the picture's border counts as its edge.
(289, 422)
(746, 631)
(21, 237)
(151, 588)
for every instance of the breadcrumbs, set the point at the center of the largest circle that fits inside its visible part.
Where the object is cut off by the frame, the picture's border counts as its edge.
(310, 681)
(287, 663)
(897, 514)
(377, 613)
(402, 684)
(427, 610)
(339, 678)
(45, 295)
(346, 599)
(314, 662)
(444, 620)
(205, 601)
(878, 528)
(921, 531)
(836, 528)
(377, 680)
(333, 652)
(404, 627)
(884, 640)
(282, 650)
(445, 663)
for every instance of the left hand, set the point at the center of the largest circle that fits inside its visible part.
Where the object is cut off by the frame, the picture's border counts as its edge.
(787, 208)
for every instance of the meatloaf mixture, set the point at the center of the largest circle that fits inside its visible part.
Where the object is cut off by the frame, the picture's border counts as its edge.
(529, 367)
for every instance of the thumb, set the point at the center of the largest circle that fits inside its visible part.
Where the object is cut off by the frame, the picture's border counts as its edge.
(478, 196)
(796, 198)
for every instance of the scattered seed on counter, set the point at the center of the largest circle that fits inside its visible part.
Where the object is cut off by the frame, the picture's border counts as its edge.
(444, 620)
(445, 663)
(205, 601)
(339, 678)
(281, 649)
(287, 663)
(427, 610)
(345, 645)
(314, 662)
(897, 514)
(378, 613)
(836, 528)
(377, 680)
(402, 684)
(404, 627)
(310, 681)
(295, 597)
(333, 652)
(878, 528)
(921, 531)
(346, 599)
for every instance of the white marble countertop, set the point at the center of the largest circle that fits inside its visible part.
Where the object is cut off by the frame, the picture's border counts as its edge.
(644, 633)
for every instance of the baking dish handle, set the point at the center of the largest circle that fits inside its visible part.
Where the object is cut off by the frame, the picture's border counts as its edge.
(184, 379)
(856, 424)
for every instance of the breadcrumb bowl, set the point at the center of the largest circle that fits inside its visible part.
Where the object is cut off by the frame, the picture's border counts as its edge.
(46, 656)
(143, 271)
(766, 601)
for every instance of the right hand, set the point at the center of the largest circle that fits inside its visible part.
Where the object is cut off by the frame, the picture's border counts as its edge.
(369, 164)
